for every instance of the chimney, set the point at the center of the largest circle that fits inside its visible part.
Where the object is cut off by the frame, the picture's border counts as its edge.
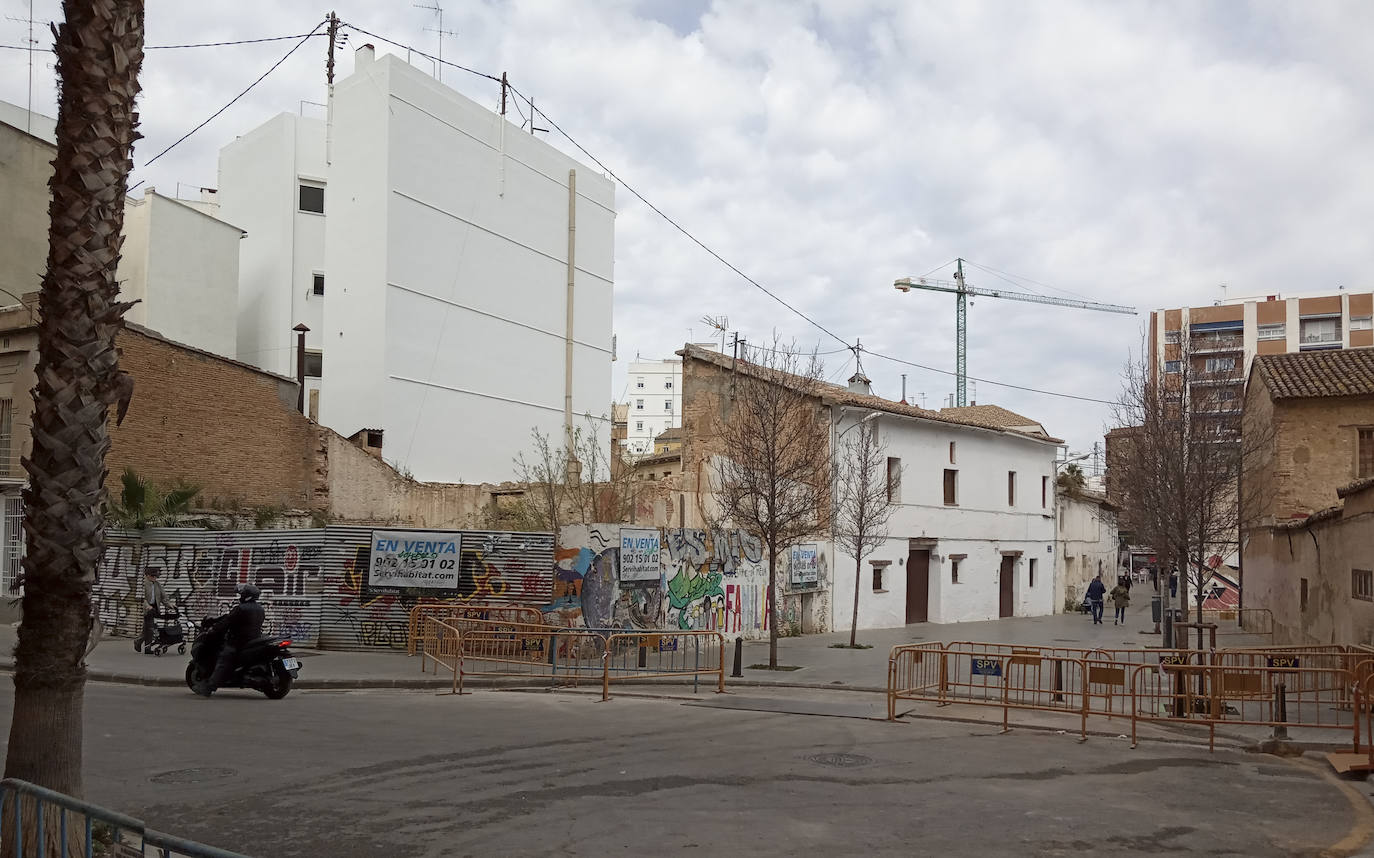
(860, 383)
(364, 56)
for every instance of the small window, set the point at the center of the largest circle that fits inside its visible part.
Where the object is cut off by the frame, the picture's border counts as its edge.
(1365, 453)
(954, 571)
(1011, 488)
(951, 452)
(374, 439)
(1362, 584)
(878, 578)
(639, 405)
(894, 480)
(1173, 366)
(639, 383)
(319, 284)
(668, 405)
(1226, 394)
(1361, 323)
(1172, 337)
(639, 425)
(314, 364)
(951, 487)
(312, 198)
(1044, 492)
(1033, 561)
(1302, 594)
(668, 385)
(1224, 364)
(1274, 332)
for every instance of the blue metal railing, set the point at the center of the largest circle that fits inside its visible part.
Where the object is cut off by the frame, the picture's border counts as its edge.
(127, 836)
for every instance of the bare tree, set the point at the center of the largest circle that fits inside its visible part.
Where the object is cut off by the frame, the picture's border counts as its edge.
(772, 475)
(864, 489)
(1179, 469)
(569, 484)
(99, 51)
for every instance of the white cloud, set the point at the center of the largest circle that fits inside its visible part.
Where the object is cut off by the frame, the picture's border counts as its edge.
(1135, 152)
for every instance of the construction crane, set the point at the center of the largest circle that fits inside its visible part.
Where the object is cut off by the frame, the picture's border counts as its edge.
(962, 291)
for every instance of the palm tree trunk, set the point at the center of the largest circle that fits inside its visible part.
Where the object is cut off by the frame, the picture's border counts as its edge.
(99, 51)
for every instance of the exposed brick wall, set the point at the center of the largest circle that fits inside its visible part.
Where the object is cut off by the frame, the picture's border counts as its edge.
(223, 426)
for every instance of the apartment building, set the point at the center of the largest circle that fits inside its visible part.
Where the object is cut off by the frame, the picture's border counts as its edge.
(455, 274)
(654, 403)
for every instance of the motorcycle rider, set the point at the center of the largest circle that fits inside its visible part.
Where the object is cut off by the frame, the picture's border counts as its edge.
(241, 625)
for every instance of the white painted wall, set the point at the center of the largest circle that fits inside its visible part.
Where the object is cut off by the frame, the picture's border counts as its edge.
(446, 266)
(1086, 544)
(182, 266)
(258, 177)
(982, 526)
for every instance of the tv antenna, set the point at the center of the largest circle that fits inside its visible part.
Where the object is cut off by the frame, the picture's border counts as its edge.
(720, 324)
(438, 10)
(30, 44)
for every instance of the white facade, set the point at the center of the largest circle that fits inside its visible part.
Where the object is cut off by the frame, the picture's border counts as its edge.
(260, 175)
(997, 541)
(445, 248)
(182, 267)
(1087, 537)
(654, 400)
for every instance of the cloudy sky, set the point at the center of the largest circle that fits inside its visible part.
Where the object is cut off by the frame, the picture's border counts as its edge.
(1139, 153)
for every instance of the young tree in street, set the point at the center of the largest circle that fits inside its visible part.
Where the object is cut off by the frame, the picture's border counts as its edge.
(772, 474)
(574, 484)
(99, 52)
(862, 509)
(1179, 469)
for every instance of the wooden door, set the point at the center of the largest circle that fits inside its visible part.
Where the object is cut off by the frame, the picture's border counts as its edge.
(918, 586)
(1004, 582)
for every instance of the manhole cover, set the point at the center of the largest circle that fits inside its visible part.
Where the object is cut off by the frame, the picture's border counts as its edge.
(840, 761)
(192, 776)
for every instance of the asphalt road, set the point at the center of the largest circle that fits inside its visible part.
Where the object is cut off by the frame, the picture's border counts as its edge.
(503, 773)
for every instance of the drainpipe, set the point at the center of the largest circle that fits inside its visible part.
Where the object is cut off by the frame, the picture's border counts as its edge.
(568, 334)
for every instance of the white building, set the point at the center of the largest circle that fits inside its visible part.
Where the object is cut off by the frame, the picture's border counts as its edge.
(972, 533)
(182, 266)
(271, 183)
(466, 301)
(654, 401)
(1087, 537)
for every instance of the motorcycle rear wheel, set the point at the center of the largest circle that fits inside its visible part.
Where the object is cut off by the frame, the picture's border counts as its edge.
(280, 684)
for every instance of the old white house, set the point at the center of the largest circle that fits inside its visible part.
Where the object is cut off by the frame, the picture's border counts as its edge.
(1087, 536)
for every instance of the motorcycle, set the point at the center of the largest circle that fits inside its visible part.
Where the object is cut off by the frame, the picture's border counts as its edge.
(263, 664)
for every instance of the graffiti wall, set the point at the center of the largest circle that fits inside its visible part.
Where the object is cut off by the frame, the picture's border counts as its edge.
(707, 579)
(315, 584)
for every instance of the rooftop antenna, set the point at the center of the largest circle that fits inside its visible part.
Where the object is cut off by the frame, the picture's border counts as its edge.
(438, 10)
(720, 324)
(30, 44)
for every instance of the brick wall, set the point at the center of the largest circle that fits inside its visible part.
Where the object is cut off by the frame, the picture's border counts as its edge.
(221, 425)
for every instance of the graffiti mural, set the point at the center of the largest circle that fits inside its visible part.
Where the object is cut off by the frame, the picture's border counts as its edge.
(708, 579)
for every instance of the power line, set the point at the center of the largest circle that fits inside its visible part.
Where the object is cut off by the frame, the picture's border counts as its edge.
(235, 42)
(260, 79)
(698, 242)
(990, 381)
(427, 56)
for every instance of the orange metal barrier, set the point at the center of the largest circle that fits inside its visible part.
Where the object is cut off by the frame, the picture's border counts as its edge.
(664, 654)
(440, 644)
(471, 611)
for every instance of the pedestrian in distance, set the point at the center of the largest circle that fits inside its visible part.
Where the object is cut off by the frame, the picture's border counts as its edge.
(1096, 590)
(1121, 597)
(1173, 584)
(153, 599)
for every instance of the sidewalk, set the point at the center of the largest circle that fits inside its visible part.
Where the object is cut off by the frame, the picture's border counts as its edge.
(821, 665)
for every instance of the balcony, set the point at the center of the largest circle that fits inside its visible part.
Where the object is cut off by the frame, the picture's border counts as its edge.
(1220, 377)
(1206, 345)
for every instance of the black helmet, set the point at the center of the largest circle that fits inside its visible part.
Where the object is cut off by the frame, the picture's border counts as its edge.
(248, 593)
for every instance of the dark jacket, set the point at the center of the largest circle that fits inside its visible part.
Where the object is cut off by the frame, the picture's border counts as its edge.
(1096, 589)
(242, 624)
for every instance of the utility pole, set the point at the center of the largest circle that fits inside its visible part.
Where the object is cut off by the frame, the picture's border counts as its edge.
(333, 43)
(504, 84)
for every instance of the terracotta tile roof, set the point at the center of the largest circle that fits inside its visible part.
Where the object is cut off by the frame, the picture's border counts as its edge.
(1306, 375)
(671, 434)
(993, 414)
(832, 394)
